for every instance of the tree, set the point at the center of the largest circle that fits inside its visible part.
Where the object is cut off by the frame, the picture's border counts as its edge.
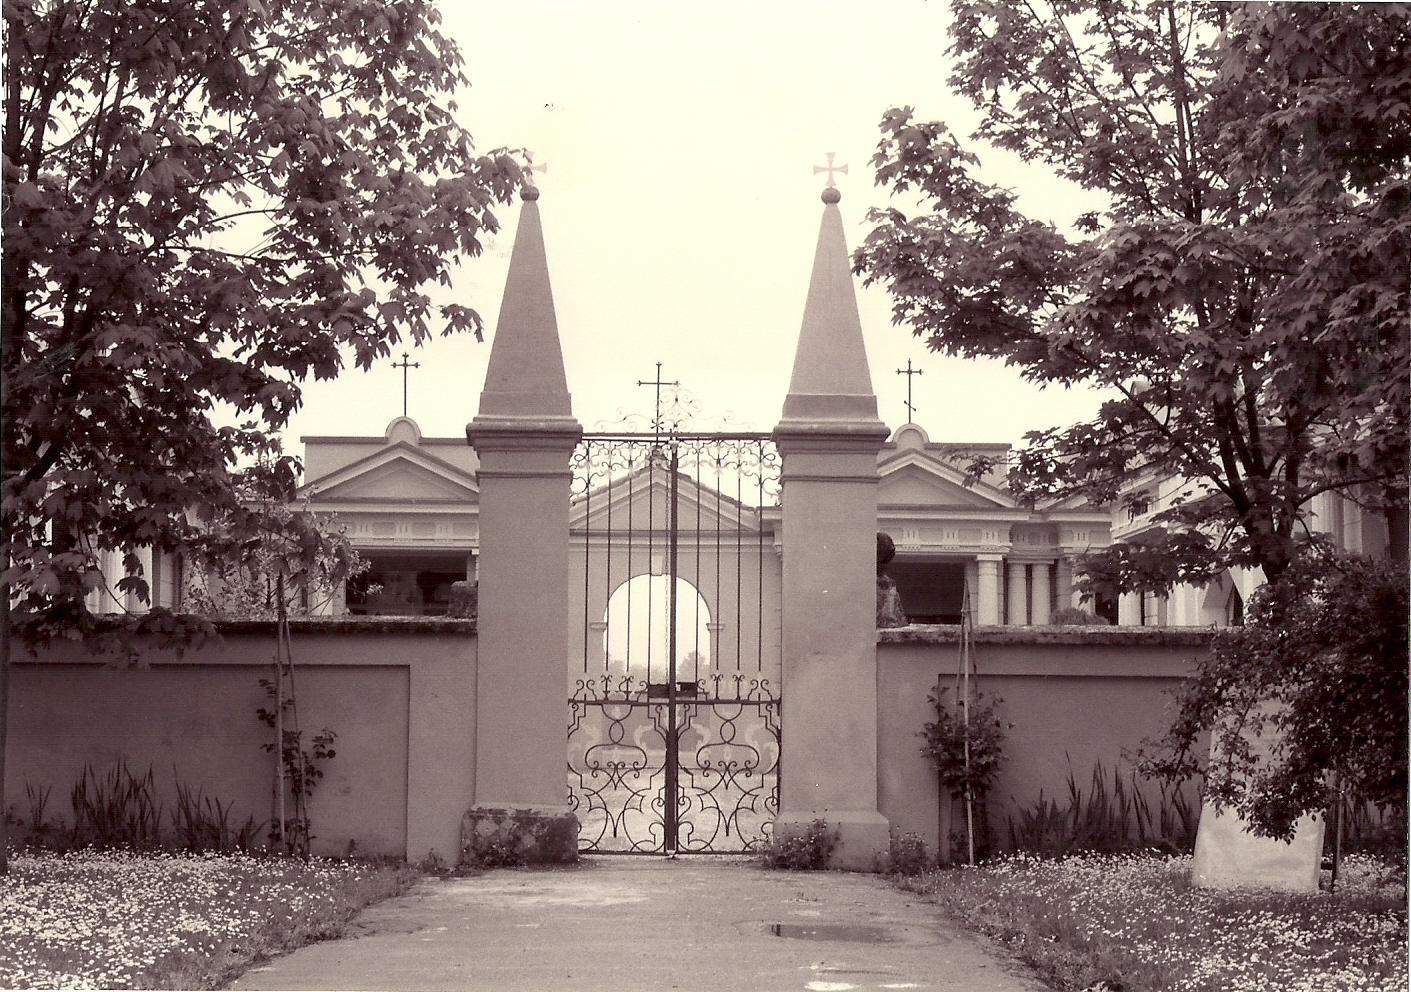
(205, 203)
(1245, 295)
(1319, 674)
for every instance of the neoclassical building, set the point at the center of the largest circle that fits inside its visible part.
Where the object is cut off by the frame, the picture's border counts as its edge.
(410, 506)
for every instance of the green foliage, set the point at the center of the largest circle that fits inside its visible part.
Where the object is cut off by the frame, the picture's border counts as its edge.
(499, 851)
(1135, 923)
(1108, 818)
(1077, 617)
(906, 855)
(205, 204)
(1318, 677)
(120, 810)
(807, 851)
(1244, 295)
(950, 737)
(303, 769)
(202, 824)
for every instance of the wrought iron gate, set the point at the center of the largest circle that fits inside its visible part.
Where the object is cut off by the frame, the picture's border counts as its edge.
(674, 699)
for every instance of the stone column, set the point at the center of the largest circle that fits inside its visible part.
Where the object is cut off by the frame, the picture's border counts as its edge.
(1041, 593)
(1129, 610)
(987, 590)
(829, 437)
(524, 435)
(1017, 600)
(1063, 581)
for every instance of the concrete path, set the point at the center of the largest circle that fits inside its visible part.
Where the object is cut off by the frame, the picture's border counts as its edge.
(629, 923)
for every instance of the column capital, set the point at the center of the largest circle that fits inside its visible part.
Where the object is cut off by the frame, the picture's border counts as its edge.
(490, 433)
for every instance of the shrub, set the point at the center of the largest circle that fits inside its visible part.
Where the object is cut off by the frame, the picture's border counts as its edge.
(906, 855)
(1071, 615)
(808, 851)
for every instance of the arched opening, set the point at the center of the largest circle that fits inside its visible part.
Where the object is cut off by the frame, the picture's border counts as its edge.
(637, 636)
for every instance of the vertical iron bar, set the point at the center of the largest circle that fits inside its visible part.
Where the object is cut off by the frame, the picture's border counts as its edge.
(607, 578)
(740, 569)
(759, 529)
(631, 494)
(673, 780)
(587, 547)
(651, 547)
(696, 547)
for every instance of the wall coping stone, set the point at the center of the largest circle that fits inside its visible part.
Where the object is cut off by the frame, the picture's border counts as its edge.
(350, 623)
(937, 633)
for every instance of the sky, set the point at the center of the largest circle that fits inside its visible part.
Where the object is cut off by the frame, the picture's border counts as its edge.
(680, 209)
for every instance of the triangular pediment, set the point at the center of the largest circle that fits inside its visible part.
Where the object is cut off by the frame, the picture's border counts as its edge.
(916, 480)
(398, 473)
(642, 501)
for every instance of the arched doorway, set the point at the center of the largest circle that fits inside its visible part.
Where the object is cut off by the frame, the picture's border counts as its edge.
(645, 631)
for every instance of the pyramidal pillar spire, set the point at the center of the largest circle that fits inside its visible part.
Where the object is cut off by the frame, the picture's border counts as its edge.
(524, 435)
(829, 437)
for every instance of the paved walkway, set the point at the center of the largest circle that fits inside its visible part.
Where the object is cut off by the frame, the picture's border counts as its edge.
(629, 923)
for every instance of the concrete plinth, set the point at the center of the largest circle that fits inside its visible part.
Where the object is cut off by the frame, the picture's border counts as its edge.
(523, 835)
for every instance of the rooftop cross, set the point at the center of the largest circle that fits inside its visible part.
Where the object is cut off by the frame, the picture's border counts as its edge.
(404, 365)
(656, 419)
(530, 168)
(830, 168)
(909, 372)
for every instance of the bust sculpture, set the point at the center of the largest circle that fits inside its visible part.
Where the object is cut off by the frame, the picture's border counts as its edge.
(889, 611)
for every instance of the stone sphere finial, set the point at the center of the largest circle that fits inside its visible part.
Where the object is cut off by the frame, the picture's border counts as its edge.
(529, 193)
(831, 194)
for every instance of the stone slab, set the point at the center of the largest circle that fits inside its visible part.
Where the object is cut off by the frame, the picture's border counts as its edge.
(1228, 856)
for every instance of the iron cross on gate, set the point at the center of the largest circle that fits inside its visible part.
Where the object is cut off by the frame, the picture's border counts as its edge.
(909, 372)
(404, 365)
(657, 424)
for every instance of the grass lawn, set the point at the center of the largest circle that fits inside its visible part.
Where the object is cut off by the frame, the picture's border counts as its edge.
(119, 920)
(1134, 923)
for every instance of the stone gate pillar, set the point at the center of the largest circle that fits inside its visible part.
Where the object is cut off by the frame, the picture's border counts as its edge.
(524, 435)
(829, 437)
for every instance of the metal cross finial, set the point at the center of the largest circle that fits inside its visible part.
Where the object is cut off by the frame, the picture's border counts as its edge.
(404, 365)
(656, 420)
(909, 372)
(830, 168)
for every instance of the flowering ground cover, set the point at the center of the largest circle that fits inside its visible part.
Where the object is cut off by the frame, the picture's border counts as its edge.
(121, 920)
(1134, 923)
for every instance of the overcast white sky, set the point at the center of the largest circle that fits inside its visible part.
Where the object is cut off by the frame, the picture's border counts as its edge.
(680, 209)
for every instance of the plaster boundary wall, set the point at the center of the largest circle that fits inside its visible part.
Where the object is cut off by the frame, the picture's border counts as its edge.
(400, 693)
(1074, 696)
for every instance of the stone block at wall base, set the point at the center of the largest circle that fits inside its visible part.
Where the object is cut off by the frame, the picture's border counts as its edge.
(524, 835)
(864, 836)
(1228, 856)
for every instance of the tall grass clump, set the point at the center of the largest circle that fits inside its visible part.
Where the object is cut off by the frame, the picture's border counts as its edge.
(120, 810)
(1114, 814)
